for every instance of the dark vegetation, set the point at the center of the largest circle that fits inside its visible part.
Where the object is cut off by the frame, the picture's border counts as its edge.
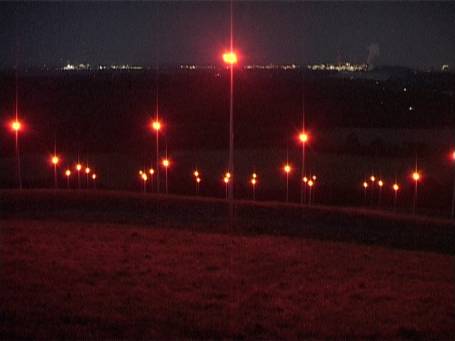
(86, 265)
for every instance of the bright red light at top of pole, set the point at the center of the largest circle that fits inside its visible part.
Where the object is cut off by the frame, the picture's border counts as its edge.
(230, 57)
(304, 137)
(166, 163)
(416, 176)
(287, 168)
(55, 159)
(156, 125)
(16, 125)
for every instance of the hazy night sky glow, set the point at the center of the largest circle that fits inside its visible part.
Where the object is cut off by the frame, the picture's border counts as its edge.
(407, 33)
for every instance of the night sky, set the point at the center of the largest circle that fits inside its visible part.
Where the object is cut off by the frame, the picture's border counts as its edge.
(403, 33)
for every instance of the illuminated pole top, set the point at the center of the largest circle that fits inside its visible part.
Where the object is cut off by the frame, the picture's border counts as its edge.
(287, 168)
(303, 137)
(156, 125)
(230, 57)
(55, 160)
(16, 125)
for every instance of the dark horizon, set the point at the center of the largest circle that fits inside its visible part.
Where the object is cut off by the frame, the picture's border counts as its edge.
(411, 34)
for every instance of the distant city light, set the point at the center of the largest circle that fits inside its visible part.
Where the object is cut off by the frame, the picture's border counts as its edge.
(254, 175)
(253, 181)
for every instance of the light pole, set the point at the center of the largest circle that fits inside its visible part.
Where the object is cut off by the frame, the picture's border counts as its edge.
(78, 169)
(55, 160)
(16, 127)
(166, 164)
(87, 172)
(144, 181)
(303, 138)
(94, 180)
(395, 188)
(416, 177)
(156, 125)
(452, 214)
(380, 185)
(287, 169)
(310, 185)
(197, 180)
(68, 174)
(254, 180)
(365, 187)
(226, 183)
(230, 58)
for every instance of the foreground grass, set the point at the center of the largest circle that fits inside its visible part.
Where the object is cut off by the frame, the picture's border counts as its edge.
(86, 280)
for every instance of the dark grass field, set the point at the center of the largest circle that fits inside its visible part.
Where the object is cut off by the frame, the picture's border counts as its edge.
(118, 265)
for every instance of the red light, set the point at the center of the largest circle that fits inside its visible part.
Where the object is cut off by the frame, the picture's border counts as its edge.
(287, 168)
(230, 57)
(55, 159)
(16, 125)
(156, 125)
(303, 137)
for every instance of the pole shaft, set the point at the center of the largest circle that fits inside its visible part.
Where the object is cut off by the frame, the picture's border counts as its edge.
(453, 199)
(18, 160)
(157, 163)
